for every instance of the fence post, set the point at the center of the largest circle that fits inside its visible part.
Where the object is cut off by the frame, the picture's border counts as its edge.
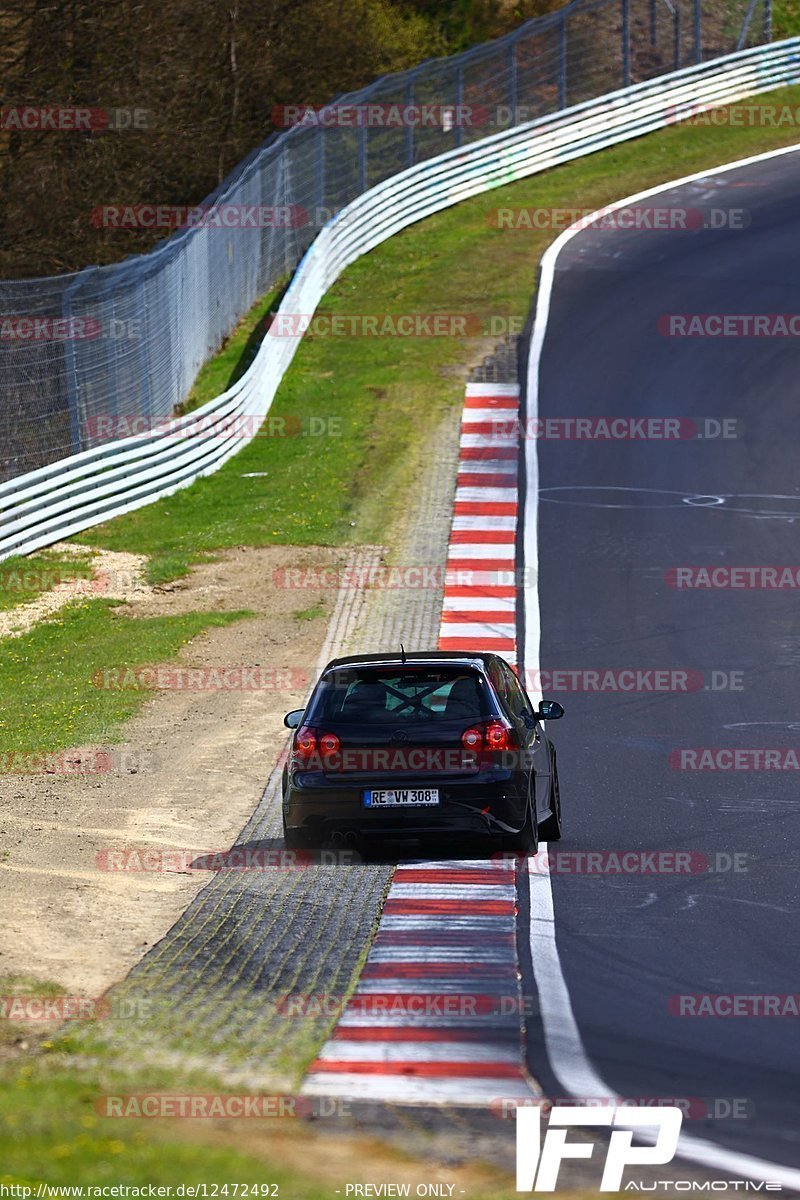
(746, 25)
(290, 255)
(409, 100)
(626, 43)
(113, 354)
(562, 62)
(698, 43)
(145, 382)
(459, 136)
(73, 387)
(362, 157)
(653, 24)
(512, 81)
(767, 20)
(677, 38)
(319, 171)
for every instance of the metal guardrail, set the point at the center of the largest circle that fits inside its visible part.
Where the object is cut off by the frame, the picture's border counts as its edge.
(75, 493)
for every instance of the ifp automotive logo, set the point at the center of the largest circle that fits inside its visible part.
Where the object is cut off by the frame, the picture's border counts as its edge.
(538, 1163)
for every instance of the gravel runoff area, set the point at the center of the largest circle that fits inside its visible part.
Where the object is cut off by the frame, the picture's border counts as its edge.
(212, 985)
(115, 576)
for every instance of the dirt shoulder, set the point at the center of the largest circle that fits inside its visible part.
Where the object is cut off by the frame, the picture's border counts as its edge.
(190, 772)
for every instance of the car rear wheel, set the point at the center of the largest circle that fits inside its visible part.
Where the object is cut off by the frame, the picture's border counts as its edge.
(293, 839)
(550, 829)
(526, 841)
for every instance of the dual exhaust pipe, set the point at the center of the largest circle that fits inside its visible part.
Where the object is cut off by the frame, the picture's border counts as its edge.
(343, 837)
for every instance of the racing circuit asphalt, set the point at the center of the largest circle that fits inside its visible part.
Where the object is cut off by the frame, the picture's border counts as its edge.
(614, 518)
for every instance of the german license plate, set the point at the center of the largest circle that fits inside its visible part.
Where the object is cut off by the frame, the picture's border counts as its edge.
(401, 797)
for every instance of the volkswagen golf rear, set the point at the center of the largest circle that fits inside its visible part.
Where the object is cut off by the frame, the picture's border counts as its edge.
(412, 747)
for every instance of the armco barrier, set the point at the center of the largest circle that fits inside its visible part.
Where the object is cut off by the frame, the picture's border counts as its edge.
(75, 493)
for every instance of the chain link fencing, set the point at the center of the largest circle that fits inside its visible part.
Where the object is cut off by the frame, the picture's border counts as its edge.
(89, 357)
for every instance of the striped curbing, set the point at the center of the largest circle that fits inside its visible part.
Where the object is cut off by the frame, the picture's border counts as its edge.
(479, 605)
(435, 1016)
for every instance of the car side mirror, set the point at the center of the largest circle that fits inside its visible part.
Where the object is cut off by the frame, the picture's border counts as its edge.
(292, 719)
(549, 710)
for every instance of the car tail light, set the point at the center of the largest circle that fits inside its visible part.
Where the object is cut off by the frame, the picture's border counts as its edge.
(305, 745)
(498, 736)
(313, 750)
(329, 744)
(472, 739)
(484, 739)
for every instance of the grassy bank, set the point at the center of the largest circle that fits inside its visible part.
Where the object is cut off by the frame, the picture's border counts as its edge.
(54, 1128)
(24, 578)
(49, 677)
(348, 429)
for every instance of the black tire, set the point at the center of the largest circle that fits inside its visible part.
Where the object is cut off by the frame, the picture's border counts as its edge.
(293, 839)
(550, 829)
(526, 841)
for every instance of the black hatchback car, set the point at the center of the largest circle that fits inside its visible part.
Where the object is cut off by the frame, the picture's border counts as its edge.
(414, 746)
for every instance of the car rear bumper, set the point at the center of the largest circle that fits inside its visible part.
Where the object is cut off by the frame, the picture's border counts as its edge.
(466, 809)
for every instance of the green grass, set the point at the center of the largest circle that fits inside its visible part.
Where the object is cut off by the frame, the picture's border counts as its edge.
(380, 398)
(785, 19)
(52, 1129)
(49, 699)
(310, 614)
(28, 985)
(230, 363)
(23, 579)
(163, 568)
(12, 1031)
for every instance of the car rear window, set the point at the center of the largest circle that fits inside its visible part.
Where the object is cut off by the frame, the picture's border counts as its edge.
(401, 694)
